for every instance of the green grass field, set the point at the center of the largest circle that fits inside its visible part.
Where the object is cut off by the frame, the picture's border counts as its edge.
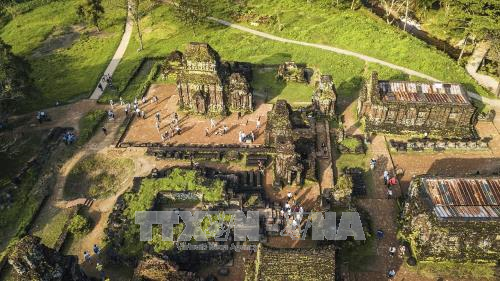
(65, 71)
(163, 34)
(359, 31)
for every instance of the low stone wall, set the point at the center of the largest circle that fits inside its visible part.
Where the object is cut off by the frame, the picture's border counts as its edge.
(438, 145)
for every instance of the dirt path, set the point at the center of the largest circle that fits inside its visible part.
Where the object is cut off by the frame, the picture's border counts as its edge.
(324, 155)
(383, 214)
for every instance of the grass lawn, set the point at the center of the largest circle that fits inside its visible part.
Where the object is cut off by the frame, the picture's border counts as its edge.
(70, 70)
(267, 86)
(163, 34)
(359, 31)
(54, 227)
(97, 176)
(463, 271)
(89, 124)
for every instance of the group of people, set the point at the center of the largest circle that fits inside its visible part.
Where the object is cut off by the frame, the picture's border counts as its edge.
(99, 266)
(295, 218)
(174, 127)
(42, 116)
(69, 137)
(390, 182)
(106, 78)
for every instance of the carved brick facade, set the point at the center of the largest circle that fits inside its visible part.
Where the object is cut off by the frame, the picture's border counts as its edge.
(400, 106)
(205, 85)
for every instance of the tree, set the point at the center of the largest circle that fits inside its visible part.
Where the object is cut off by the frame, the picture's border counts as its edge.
(191, 12)
(14, 79)
(91, 12)
(343, 189)
(79, 225)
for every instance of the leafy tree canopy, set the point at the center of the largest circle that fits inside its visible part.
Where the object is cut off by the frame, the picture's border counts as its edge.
(14, 78)
(91, 12)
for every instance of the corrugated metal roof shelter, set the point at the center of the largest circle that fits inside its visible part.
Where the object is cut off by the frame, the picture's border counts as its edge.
(464, 198)
(420, 92)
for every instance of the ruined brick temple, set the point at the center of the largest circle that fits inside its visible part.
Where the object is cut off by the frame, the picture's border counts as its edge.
(32, 260)
(325, 96)
(207, 85)
(402, 106)
(453, 218)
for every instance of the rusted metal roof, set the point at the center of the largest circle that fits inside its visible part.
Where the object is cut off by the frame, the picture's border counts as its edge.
(419, 92)
(464, 198)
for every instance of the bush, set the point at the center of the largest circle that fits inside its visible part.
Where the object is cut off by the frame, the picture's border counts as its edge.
(79, 225)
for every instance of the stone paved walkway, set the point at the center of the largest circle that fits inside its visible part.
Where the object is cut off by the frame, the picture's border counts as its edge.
(474, 63)
(113, 64)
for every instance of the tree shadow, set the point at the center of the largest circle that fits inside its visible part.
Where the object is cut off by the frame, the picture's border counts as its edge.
(348, 92)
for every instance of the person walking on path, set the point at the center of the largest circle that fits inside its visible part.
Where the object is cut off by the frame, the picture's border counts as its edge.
(96, 249)
(111, 103)
(258, 124)
(212, 123)
(104, 131)
(206, 132)
(386, 177)
(86, 256)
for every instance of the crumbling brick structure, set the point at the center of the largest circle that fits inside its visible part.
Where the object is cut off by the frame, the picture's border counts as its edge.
(325, 96)
(453, 218)
(416, 107)
(205, 85)
(34, 261)
(305, 264)
(290, 71)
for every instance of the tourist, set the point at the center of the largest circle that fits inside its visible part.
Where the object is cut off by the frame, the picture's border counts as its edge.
(178, 130)
(176, 116)
(104, 131)
(39, 117)
(99, 86)
(391, 273)
(389, 194)
(373, 162)
(252, 136)
(128, 105)
(157, 115)
(287, 206)
(86, 256)
(126, 111)
(294, 224)
(157, 125)
(97, 250)
(402, 251)
(135, 100)
(240, 139)
(289, 195)
(121, 101)
(380, 234)
(144, 100)
(282, 213)
(392, 251)
(212, 123)
(156, 99)
(239, 115)
(386, 177)
(393, 181)
(258, 124)
(111, 103)
(206, 132)
(225, 129)
(143, 114)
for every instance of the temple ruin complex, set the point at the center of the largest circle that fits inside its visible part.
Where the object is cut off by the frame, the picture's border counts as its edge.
(416, 107)
(206, 85)
(453, 218)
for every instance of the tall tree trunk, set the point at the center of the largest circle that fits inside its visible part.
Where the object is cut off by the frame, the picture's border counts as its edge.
(406, 15)
(463, 47)
(139, 33)
(352, 4)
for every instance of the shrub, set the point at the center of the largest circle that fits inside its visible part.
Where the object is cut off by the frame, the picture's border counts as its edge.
(79, 225)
